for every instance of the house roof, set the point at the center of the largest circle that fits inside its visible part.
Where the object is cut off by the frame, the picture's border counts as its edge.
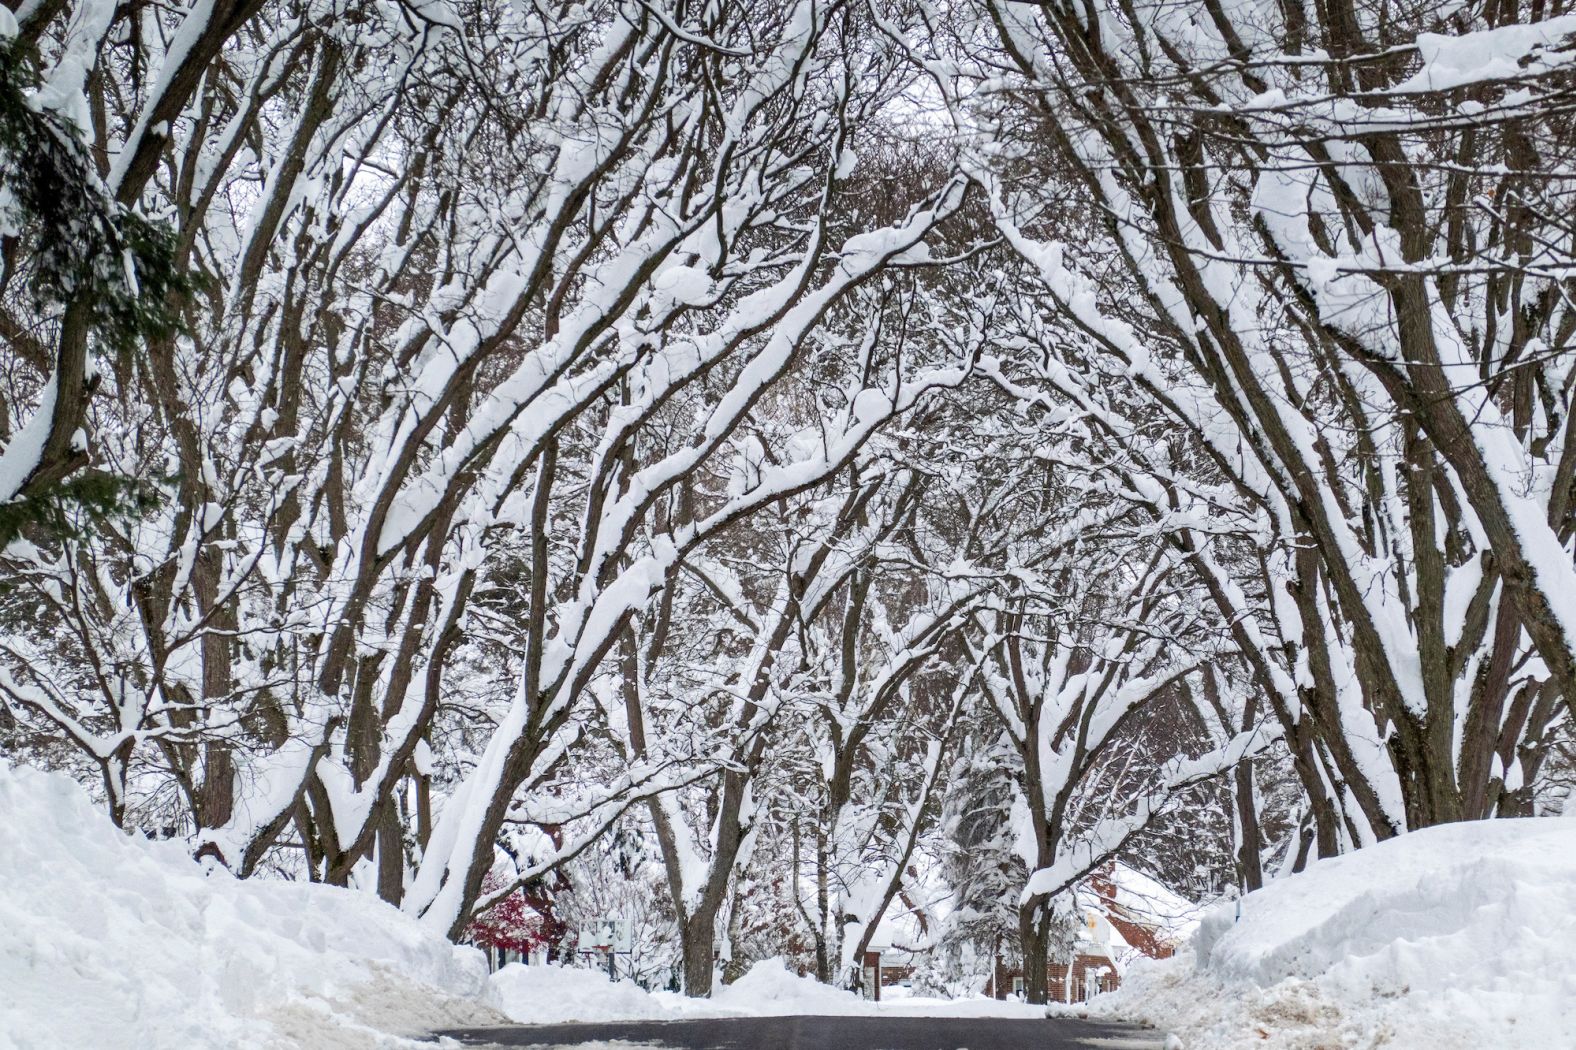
(1143, 914)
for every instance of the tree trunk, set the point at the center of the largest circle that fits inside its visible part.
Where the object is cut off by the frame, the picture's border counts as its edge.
(216, 794)
(823, 903)
(1250, 870)
(1034, 935)
(697, 938)
(391, 856)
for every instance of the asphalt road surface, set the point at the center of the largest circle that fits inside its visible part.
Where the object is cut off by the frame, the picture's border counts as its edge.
(830, 1033)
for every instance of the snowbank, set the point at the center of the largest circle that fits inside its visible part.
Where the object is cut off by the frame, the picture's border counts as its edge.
(109, 940)
(560, 994)
(1454, 938)
(553, 994)
(771, 989)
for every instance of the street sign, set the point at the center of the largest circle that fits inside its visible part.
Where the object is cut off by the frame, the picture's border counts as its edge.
(607, 935)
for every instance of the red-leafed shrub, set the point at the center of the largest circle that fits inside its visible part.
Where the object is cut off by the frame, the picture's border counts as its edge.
(511, 924)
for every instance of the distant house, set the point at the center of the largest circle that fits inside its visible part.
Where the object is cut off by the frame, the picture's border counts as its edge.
(1126, 915)
(892, 958)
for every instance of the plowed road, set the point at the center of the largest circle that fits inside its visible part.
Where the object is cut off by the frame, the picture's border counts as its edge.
(828, 1033)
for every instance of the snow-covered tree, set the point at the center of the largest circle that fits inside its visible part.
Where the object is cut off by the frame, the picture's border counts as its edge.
(765, 468)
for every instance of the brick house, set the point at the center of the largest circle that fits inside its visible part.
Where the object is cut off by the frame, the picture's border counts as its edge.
(1126, 915)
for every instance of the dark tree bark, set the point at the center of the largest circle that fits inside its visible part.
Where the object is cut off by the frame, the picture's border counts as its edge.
(1034, 923)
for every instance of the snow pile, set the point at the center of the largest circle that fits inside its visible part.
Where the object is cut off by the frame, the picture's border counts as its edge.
(109, 940)
(561, 994)
(554, 994)
(771, 989)
(1453, 938)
